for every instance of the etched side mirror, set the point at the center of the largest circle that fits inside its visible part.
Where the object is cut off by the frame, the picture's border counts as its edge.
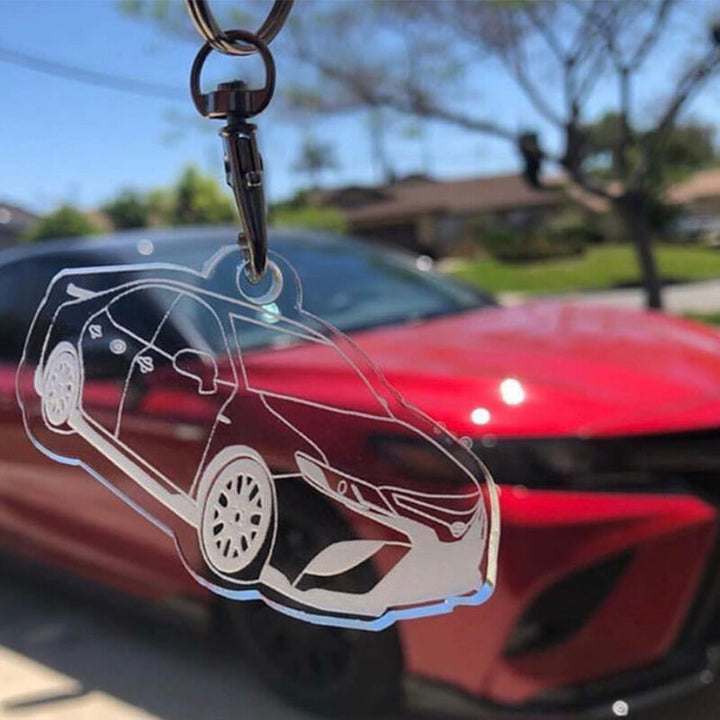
(199, 366)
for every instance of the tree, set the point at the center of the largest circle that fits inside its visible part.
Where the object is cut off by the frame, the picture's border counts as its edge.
(198, 199)
(194, 199)
(429, 61)
(377, 123)
(64, 222)
(308, 216)
(161, 206)
(130, 209)
(315, 157)
(687, 147)
(171, 17)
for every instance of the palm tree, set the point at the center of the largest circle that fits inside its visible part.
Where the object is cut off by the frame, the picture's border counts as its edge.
(315, 157)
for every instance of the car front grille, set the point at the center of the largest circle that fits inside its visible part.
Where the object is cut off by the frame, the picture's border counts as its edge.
(565, 607)
(686, 462)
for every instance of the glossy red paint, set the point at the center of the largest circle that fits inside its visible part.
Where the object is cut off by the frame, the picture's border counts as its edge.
(584, 370)
(546, 536)
(581, 372)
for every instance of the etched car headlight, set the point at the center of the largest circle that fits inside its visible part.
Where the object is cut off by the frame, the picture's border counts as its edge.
(453, 514)
(423, 460)
(333, 482)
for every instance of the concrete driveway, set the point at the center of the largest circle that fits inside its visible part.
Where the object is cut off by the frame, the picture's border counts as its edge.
(698, 297)
(69, 652)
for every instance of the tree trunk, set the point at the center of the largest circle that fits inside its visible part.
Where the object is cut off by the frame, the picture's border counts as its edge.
(377, 141)
(633, 208)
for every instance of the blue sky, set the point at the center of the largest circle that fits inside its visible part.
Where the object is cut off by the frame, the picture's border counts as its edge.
(62, 141)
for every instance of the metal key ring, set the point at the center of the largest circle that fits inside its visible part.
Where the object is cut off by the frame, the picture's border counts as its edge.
(220, 40)
(259, 99)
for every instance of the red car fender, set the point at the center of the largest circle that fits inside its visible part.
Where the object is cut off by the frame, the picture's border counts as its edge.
(548, 535)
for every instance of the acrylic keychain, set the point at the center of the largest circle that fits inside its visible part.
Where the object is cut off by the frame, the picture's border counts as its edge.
(269, 412)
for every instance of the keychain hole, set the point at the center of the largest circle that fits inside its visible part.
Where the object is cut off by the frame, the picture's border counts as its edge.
(265, 290)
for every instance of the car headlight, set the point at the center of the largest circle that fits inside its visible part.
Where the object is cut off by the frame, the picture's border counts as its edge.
(420, 459)
(628, 463)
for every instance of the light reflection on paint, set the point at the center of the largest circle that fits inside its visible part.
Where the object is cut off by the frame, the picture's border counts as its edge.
(424, 263)
(480, 416)
(512, 392)
(145, 247)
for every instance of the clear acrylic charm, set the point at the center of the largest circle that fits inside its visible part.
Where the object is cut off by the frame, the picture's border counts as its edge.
(294, 472)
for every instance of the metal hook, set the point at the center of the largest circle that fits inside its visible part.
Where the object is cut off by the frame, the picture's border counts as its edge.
(236, 103)
(226, 100)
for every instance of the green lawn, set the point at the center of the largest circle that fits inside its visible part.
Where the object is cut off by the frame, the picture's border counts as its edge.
(598, 268)
(710, 318)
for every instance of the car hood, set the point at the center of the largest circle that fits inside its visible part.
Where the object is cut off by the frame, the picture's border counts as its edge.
(549, 369)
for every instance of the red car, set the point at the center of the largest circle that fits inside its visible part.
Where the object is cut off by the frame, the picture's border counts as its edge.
(600, 425)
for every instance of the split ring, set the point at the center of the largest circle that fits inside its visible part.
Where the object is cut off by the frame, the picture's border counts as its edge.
(220, 40)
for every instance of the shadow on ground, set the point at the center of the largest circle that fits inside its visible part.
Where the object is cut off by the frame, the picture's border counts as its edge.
(164, 665)
(170, 668)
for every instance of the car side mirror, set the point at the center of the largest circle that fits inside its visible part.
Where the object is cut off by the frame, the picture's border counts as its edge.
(199, 366)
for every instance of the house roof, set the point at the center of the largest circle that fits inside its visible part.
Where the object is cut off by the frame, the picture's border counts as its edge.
(13, 213)
(416, 196)
(592, 203)
(702, 184)
(14, 221)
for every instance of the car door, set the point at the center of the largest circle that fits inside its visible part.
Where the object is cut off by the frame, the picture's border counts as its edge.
(181, 382)
(114, 341)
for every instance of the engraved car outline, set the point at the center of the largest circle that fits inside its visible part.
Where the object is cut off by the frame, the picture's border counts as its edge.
(433, 576)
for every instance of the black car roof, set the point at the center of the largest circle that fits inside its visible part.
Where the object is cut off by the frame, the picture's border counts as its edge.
(118, 242)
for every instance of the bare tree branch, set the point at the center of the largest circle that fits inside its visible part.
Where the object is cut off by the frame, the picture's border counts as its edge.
(423, 108)
(607, 25)
(587, 11)
(689, 83)
(625, 120)
(517, 68)
(595, 70)
(653, 35)
(412, 101)
(551, 40)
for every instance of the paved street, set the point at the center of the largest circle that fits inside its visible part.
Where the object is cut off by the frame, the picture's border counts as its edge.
(68, 653)
(698, 297)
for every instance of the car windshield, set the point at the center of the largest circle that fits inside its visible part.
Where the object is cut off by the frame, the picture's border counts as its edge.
(348, 284)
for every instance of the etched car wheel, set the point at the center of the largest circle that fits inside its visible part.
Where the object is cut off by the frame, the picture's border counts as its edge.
(61, 384)
(238, 517)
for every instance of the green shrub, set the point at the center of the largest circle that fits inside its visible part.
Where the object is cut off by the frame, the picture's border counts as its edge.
(199, 199)
(516, 246)
(314, 218)
(128, 209)
(66, 221)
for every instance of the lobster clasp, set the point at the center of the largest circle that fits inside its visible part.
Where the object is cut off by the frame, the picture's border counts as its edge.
(244, 173)
(235, 102)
